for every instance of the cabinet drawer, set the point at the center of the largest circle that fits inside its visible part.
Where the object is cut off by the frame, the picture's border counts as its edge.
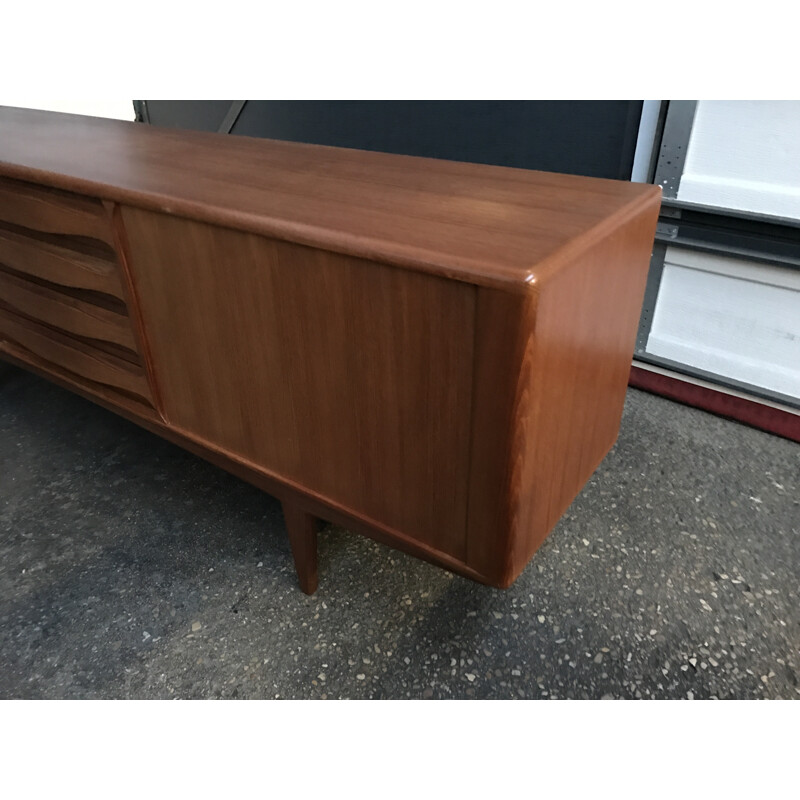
(53, 211)
(62, 298)
(93, 365)
(70, 312)
(60, 264)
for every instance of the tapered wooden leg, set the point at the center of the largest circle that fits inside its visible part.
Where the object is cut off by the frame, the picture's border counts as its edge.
(302, 528)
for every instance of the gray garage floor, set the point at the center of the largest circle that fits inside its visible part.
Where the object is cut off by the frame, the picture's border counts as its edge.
(129, 568)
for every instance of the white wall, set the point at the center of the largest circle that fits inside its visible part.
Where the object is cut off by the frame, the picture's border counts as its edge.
(745, 155)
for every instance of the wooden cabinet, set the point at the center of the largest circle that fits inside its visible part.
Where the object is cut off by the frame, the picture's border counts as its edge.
(430, 353)
(63, 299)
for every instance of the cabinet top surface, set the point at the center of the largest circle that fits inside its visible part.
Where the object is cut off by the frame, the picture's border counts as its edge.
(482, 224)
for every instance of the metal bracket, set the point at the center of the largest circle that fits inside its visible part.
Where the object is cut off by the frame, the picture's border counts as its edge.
(753, 237)
(663, 230)
(674, 144)
(650, 296)
(668, 211)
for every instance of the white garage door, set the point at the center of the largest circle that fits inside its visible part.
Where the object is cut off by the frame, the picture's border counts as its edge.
(735, 318)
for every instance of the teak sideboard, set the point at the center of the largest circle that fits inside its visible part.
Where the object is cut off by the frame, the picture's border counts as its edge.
(433, 354)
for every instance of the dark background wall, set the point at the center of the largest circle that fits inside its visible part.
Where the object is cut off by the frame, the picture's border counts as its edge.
(594, 137)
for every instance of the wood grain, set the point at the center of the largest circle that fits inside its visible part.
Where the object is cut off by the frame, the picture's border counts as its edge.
(131, 407)
(432, 354)
(504, 325)
(77, 358)
(471, 222)
(133, 306)
(319, 507)
(347, 377)
(302, 529)
(563, 391)
(59, 264)
(71, 314)
(52, 210)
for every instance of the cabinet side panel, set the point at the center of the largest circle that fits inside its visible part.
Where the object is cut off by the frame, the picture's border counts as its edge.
(580, 358)
(503, 332)
(349, 377)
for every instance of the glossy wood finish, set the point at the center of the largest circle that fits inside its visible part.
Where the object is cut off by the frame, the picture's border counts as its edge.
(302, 529)
(62, 294)
(51, 259)
(472, 222)
(573, 380)
(73, 355)
(72, 314)
(52, 211)
(350, 379)
(502, 330)
(318, 507)
(432, 354)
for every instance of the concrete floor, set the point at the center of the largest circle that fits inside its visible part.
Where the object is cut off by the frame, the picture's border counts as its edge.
(131, 569)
